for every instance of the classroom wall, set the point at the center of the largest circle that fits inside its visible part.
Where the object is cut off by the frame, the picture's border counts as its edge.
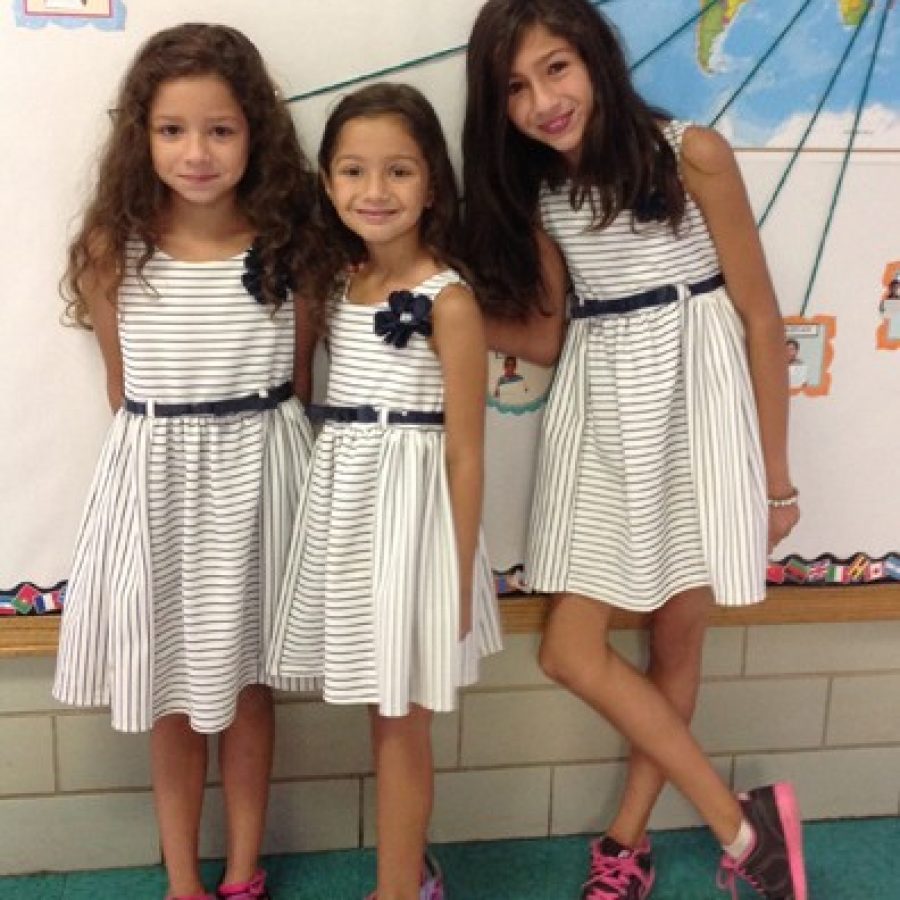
(814, 703)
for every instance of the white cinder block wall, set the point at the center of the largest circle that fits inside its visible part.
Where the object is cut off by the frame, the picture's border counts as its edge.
(819, 704)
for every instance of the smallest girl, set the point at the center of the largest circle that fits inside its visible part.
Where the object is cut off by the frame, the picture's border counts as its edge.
(389, 598)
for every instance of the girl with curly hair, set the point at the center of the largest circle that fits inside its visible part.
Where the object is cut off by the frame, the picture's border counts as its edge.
(190, 265)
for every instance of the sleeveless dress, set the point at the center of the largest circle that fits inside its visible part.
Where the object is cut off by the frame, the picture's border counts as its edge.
(650, 476)
(181, 549)
(371, 599)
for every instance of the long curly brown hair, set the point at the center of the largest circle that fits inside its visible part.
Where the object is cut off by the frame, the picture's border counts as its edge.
(277, 193)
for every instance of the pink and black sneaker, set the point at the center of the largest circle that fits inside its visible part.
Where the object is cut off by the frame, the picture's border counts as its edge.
(773, 866)
(254, 889)
(619, 873)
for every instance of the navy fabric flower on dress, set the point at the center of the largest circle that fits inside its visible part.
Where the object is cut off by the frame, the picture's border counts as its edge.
(653, 208)
(252, 279)
(407, 312)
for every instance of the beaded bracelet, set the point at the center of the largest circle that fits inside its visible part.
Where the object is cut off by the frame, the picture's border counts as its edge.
(792, 499)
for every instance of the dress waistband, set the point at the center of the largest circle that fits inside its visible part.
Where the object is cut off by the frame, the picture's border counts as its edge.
(669, 293)
(370, 415)
(265, 399)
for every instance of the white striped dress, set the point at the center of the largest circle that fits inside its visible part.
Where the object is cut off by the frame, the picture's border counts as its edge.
(181, 549)
(371, 600)
(650, 476)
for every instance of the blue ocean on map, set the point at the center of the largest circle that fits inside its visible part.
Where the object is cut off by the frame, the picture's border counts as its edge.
(774, 106)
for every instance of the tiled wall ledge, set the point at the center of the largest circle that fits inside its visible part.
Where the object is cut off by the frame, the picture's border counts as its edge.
(37, 636)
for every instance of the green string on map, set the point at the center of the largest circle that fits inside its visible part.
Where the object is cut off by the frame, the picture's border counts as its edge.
(772, 48)
(815, 116)
(379, 73)
(860, 106)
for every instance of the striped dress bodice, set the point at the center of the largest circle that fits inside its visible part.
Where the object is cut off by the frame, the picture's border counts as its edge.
(614, 261)
(367, 371)
(192, 333)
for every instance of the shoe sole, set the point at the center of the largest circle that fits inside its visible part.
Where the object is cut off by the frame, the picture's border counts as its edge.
(788, 813)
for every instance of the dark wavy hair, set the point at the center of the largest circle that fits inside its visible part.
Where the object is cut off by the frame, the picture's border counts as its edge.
(276, 193)
(439, 226)
(626, 162)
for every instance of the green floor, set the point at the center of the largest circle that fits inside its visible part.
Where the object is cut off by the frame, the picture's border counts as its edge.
(847, 860)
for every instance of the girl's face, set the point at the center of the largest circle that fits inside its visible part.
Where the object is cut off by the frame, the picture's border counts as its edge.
(550, 96)
(378, 179)
(199, 139)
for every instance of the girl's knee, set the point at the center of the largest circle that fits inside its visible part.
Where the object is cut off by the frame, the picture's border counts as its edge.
(558, 665)
(550, 662)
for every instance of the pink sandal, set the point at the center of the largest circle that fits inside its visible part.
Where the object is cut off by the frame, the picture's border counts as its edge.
(254, 889)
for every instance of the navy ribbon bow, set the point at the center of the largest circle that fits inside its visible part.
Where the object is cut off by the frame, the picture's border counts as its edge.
(407, 312)
(252, 278)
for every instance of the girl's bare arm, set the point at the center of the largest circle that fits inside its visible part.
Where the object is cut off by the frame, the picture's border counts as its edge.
(460, 345)
(712, 177)
(96, 284)
(304, 347)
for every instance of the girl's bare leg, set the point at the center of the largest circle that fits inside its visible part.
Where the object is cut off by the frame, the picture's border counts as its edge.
(245, 758)
(178, 763)
(405, 786)
(675, 666)
(575, 652)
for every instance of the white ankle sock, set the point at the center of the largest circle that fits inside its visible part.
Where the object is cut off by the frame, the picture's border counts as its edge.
(742, 843)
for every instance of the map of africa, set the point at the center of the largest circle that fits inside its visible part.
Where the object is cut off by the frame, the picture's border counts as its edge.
(695, 74)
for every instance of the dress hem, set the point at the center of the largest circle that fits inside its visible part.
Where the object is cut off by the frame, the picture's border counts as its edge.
(589, 594)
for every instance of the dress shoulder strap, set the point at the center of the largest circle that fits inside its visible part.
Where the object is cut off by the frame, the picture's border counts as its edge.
(673, 131)
(433, 285)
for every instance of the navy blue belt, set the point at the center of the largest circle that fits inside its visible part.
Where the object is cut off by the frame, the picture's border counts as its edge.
(369, 414)
(583, 309)
(251, 403)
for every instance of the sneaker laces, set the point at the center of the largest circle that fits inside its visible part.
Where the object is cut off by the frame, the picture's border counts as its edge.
(730, 870)
(609, 875)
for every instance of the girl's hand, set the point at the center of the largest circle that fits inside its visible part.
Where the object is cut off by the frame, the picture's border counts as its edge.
(465, 614)
(781, 522)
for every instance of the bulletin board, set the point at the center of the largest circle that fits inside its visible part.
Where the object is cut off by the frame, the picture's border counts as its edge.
(806, 91)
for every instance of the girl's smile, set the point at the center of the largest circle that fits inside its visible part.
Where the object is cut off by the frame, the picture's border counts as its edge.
(550, 95)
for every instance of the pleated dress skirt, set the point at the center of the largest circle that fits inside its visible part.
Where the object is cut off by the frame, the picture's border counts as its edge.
(650, 475)
(182, 547)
